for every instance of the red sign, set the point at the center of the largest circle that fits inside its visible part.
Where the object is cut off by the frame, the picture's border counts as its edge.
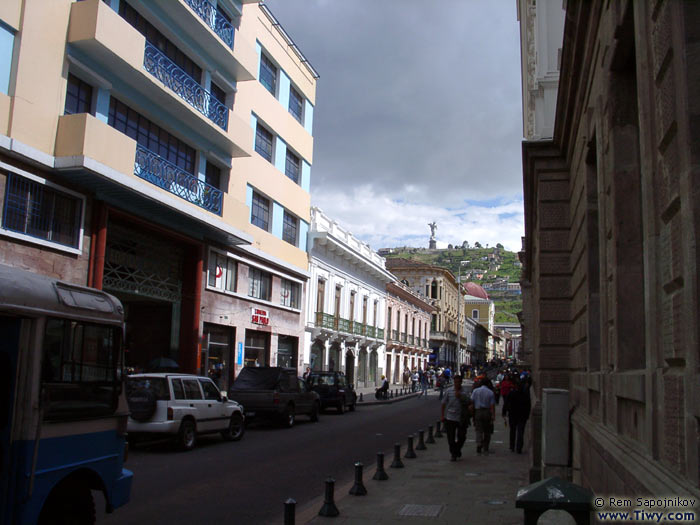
(260, 316)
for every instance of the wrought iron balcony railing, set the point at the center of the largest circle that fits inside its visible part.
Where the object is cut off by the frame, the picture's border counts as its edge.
(213, 19)
(403, 337)
(371, 331)
(380, 333)
(164, 174)
(410, 339)
(357, 328)
(394, 335)
(332, 322)
(187, 88)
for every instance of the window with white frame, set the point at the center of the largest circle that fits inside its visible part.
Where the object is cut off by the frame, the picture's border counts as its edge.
(259, 284)
(290, 292)
(222, 272)
(39, 210)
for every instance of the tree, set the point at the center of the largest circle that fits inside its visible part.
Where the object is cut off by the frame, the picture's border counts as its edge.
(477, 244)
(499, 246)
(465, 244)
(450, 247)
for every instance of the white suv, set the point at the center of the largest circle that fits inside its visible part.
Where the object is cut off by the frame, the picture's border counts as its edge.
(181, 405)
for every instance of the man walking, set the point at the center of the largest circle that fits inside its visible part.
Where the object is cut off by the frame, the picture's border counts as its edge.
(456, 409)
(517, 406)
(484, 414)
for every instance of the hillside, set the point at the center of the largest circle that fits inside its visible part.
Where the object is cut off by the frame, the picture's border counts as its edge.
(490, 267)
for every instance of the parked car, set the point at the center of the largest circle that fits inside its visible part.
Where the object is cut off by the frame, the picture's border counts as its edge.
(333, 389)
(181, 405)
(275, 392)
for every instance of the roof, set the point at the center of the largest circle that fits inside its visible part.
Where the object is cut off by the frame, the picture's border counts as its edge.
(476, 290)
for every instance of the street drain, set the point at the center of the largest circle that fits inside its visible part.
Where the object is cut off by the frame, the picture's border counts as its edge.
(496, 502)
(424, 511)
(472, 474)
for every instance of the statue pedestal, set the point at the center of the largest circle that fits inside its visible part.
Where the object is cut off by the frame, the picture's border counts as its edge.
(432, 245)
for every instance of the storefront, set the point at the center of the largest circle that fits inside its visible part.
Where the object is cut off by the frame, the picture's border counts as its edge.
(257, 348)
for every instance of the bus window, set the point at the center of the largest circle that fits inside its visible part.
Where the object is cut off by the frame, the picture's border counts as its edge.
(81, 369)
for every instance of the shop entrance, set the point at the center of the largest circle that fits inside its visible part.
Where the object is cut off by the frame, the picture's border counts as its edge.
(146, 273)
(217, 354)
(287, 351)
(257, 348)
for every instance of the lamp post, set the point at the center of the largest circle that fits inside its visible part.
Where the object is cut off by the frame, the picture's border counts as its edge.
(460, 310)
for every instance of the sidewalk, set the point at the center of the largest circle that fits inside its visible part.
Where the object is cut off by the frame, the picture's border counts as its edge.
(432, 489)
(369, 391)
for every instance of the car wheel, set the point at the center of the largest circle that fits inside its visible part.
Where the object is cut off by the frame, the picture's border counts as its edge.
(236, 428)
(289, 417)
(69, 503)
(341, 406)
(315, 411)
(187, 437)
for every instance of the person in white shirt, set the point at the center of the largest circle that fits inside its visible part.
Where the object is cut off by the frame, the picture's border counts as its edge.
(456, 409)
(484, 414)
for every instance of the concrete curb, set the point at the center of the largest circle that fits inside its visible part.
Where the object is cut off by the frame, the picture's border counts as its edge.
(387, 401)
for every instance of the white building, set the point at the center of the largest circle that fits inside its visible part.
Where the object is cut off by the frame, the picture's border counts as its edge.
(346, 303)
(541, 35)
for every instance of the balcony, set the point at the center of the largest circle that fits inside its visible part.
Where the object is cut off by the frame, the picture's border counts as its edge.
(331, 322)
(100, 38)
(380, 333)
(371, 331)
(166, 175)
(207, 12)
(395, 335)
(187, 88)
(357, 328)
(403, 337)
(410, 339)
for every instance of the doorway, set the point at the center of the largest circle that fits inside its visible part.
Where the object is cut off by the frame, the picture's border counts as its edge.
(350, 366)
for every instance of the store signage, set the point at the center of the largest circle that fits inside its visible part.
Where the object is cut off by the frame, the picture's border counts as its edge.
(260, 316)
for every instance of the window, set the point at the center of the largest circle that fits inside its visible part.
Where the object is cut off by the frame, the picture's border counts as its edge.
(290, 293)
(192, 390)
(292, 167)
(40, 211)
(7, 44)
(218, 93)
(178, 390)
(80, 369)
(210, 390)
(320, 295)
(268, 74)
(475, 314)
(260, 212)
(222, 272)
(263, 142)
(259, 284)
(296, 104)
(150, 136)
(155, 37)
(290, 227)
(78, 96)
(212, 176)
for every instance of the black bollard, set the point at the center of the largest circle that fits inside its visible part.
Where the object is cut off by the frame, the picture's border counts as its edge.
(421, 443)
(391, 396)
(358, 489)
(381, 474)
(329, 509)
(410, 453)
(361, 397)
(438, 434)
(430, 439)
(397, 463)
(289, 511)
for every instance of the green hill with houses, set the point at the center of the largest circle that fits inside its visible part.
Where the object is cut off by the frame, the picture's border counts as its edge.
(496, 269)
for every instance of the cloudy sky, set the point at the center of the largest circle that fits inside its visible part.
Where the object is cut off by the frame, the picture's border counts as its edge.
(417, 118)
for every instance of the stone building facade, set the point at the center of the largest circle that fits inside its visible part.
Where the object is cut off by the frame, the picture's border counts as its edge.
(610, 275)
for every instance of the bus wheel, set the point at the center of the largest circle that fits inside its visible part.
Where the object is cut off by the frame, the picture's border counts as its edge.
(70, 503)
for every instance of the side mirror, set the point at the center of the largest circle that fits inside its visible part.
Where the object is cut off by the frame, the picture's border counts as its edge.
(223, 397)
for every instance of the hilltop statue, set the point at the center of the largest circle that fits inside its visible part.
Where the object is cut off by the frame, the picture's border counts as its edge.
(432, 245)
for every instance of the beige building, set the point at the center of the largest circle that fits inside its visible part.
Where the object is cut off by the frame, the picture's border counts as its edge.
(610, 259)
(408, 318)
(440, 286)
(128, 147)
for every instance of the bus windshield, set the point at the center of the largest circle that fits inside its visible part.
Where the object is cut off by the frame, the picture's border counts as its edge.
(81, 369)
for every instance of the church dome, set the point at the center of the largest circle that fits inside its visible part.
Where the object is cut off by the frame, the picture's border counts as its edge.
(476, 290)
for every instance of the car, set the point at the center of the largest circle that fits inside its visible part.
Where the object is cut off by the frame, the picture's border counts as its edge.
(334, 390)
(182, 406)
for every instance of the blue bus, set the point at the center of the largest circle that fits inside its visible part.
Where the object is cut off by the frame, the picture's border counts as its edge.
(63, 413)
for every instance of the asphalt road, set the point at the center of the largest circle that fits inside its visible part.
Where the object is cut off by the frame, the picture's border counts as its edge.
(248, 481)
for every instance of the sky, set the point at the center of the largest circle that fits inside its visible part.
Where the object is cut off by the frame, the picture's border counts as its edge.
(417, 119)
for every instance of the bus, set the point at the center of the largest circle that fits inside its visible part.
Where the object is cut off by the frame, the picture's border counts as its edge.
(63, 411)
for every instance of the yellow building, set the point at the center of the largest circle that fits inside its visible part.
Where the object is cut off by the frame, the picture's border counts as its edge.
(131, 161)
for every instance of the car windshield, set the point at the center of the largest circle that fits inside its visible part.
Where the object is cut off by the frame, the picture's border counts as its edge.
(321, 380)
(157, 385)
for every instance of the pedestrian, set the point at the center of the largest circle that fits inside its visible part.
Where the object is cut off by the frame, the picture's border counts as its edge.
(423, 377)
(517, 407)
(441, 384)
(505, 388)
(484, 414)
(456, 410)
(307, 373)
(381, 392)
(414, 380)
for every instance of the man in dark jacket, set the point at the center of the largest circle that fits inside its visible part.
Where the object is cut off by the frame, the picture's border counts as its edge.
(517, 407)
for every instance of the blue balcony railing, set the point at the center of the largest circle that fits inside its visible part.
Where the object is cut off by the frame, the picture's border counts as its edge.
(164, 174)
(165, 70)
(213, 19)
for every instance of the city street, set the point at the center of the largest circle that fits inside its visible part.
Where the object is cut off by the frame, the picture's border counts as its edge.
(248, 481)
